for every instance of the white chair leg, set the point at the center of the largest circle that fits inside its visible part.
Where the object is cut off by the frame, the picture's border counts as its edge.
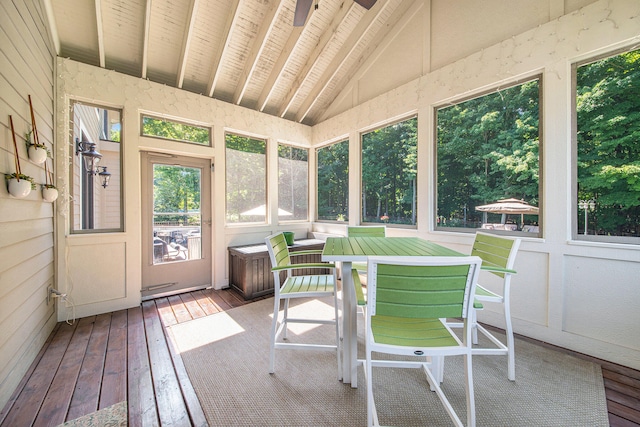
(511, 365)
(372, 416)
(471, 405)
(285, 319)
(274, 328)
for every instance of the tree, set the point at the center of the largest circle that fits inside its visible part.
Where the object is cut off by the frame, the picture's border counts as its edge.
(176, 189)
(487, 149)
(389, 168)
(333, 181)
(608, 125)
(174, 130)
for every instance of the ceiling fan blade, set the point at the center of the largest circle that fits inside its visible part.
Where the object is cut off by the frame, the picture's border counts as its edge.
(367, 4)
(302, 10)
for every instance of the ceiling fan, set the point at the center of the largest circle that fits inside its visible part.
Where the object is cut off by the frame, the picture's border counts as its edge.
(303, 7)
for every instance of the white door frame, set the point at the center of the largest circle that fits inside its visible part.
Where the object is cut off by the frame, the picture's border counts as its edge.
(170, 271)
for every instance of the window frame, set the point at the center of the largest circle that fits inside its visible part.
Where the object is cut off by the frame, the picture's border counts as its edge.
(209, 129)
(494, 89)
(86, 215)
(308, 151)
(341, 140)
(575, 208)
(361, 135)
(267, 216)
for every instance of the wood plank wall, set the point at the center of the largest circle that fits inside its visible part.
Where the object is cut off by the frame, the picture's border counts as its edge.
(27, 56)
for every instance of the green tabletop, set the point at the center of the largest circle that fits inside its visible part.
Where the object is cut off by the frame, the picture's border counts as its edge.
(359, 248)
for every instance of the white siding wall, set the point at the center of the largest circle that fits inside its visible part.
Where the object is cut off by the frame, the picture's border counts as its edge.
(580, 295)
(26, 225)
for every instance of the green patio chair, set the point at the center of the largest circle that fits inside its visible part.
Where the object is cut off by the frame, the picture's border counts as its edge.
(498, 254)
(303, 286)
(408, 303)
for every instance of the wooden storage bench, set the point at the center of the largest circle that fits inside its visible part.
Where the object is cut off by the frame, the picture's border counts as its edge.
(250, 266)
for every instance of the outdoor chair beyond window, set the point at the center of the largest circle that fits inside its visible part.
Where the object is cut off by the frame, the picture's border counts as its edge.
(365, 231)
(408, 302)
(304, 286)
(498, 255)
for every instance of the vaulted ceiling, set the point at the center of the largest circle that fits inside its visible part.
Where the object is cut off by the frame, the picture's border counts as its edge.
(245, 52)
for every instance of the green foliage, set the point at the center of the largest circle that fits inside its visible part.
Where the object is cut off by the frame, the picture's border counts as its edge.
(174, 130)
(176, 189)
(333, 181)
(487, 149)
(389, 169)
(608, 122)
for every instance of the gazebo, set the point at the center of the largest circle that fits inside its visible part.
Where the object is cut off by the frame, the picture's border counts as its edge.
(508, 207)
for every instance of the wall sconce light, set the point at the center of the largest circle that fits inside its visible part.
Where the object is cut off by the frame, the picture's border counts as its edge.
(104, 176)
(91, 157)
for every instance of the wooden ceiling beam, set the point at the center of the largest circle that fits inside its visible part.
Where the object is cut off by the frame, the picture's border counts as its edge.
(145, 41)
(380, 46)
(323, 44)
(101, 55)
(53, 29)
(348, 48)
(279, 67)
(254, 56)
(230, 25)
(186, 42)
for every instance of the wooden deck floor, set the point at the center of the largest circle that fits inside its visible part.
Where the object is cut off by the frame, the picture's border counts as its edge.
(102, 360)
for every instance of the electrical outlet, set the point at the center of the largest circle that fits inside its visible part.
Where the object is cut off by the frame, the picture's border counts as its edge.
(49, 293)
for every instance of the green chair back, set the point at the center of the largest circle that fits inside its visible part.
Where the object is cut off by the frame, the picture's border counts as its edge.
(366, 231)
(280, 251)
(495, 251)
(436, 288)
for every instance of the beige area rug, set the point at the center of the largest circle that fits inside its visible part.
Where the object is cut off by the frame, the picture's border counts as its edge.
(226, 357)
(112, 416)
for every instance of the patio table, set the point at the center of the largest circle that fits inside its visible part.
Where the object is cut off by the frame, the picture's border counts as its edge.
(347, 250)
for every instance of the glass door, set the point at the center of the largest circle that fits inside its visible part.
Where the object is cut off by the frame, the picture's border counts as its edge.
(176, 220)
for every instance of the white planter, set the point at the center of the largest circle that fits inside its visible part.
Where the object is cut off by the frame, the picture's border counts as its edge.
(19, 189)
(37, 155)
(49, 194)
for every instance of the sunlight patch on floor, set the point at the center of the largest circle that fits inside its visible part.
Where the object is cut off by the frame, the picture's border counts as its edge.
(312, 308)
(210, 329)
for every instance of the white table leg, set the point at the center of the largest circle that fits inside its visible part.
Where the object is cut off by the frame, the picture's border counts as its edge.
(349, 328)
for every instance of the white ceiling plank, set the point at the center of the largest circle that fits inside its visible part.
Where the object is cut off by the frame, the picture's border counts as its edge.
(279, 67)
(385, 39)
(188, 34)
(100, 32)
(145, 43)
(262, 37)
(339, 21)
(229, 28)
(348, 48)
(247, 52)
